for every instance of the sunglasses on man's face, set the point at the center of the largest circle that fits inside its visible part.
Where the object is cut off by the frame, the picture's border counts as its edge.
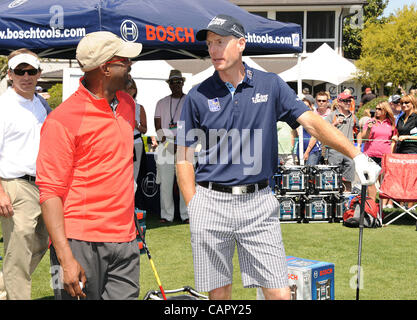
(21, 72)
(321, 100)
(176, 81)
(122, 60)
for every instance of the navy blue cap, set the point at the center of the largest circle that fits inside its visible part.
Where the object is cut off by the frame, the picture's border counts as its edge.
(222, 25)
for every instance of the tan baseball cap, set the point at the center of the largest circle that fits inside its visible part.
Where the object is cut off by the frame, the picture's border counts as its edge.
(98, 47)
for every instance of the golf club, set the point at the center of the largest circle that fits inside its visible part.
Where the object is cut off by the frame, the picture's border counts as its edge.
(361, 220)
(149, 256)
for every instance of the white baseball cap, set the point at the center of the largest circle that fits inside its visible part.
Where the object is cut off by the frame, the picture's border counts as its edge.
(24, 58)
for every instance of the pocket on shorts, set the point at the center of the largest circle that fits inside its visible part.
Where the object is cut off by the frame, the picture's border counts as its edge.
(189, 206)
(274, 202)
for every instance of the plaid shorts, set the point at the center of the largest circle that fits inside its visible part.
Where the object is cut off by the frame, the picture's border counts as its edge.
(221, 221)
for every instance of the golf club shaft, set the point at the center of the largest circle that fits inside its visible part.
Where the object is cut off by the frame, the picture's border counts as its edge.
(361, 221)
(158, 281)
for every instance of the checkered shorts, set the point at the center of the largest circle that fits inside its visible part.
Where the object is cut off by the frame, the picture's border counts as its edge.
(219, 222)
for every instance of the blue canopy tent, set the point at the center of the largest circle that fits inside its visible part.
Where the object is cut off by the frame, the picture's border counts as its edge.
(166, 28)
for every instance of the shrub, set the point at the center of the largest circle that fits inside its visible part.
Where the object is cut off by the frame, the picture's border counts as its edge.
(55, 93)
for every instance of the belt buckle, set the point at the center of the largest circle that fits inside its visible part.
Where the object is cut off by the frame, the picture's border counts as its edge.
(239, 189)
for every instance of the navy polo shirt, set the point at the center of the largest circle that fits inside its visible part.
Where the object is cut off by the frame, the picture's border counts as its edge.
(237, 130)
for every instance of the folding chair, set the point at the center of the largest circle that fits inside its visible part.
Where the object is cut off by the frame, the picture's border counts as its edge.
(399, 183)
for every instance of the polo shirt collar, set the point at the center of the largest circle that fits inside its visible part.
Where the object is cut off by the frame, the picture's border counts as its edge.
(387, 120)
(99, 102)
(339, 112)
(248, 79)
(18, 97)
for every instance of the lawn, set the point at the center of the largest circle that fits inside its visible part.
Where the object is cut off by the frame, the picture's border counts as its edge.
(389, 259)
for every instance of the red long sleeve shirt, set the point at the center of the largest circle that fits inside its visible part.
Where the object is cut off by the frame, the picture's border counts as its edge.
(86, 158)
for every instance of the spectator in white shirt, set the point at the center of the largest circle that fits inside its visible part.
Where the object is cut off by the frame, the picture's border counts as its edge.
(22, 113)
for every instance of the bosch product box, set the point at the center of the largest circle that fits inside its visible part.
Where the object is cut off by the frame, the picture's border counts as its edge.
(308, 280)
(326, 178)
(289, 208)
(317, 208)
(292, 178)
(343, 203)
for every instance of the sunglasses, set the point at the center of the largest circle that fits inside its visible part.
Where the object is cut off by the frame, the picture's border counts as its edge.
(405, 102)
(379, 109)
(176, 81)
(123, 60)
(345, 100)
(321, 100)
(20, 72)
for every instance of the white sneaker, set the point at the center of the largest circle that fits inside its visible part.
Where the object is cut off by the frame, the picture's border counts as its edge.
(3, 295)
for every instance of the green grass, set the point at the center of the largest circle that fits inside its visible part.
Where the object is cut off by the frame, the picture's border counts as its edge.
(389, 259)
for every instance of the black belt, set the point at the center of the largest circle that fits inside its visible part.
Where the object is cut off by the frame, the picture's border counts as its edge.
(137, 136)
(246, 188)
(28, 178)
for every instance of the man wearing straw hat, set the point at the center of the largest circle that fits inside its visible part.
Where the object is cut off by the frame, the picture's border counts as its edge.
(85, 177)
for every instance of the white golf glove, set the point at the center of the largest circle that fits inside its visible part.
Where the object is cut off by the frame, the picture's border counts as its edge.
(367, 169)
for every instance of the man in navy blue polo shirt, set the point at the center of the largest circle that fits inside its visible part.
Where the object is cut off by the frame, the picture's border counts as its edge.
(233, 116)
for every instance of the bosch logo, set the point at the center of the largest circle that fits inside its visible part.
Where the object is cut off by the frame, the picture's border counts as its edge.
(326, 271)
(292, 276)
(129, 31)
(16, 3)
(149, 185)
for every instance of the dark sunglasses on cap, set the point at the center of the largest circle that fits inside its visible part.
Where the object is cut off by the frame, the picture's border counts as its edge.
(21, 72)
(345, 100)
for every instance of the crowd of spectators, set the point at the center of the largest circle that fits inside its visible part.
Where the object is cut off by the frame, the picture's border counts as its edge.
(389, 126)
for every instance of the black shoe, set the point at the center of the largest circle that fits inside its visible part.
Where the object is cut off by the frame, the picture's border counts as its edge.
(163, 221)
(186, 221)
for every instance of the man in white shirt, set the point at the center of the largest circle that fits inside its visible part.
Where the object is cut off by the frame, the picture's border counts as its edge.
(167, 114)
(22, 114)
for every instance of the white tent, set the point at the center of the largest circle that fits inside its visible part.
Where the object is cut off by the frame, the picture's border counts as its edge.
(323, 65)
(203, 75)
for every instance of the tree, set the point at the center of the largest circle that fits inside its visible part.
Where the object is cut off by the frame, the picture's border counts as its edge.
(389, 50)
(352, 38)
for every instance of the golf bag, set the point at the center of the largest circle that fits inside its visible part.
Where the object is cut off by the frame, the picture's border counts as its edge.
(371, 215)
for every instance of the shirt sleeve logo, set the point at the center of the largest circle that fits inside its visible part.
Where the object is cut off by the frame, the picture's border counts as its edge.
(258, 98)
(214, 104)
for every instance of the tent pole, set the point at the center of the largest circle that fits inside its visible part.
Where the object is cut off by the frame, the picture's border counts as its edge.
(299, 80)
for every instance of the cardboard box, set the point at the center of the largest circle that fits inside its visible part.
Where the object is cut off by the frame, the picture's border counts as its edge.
(308, 280)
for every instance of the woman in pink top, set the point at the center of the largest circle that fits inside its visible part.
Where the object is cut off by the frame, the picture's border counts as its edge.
(378, 132)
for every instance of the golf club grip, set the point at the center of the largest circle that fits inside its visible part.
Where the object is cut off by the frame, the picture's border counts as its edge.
(362, 206)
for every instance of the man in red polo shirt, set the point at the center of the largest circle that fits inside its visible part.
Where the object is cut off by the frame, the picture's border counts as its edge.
(85, 177)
